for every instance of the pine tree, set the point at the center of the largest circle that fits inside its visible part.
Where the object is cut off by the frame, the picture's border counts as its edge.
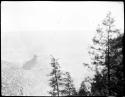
(83, 90)
(117, 78)
(101, 52)
(69, 88)
(56, 80)
(61, 82)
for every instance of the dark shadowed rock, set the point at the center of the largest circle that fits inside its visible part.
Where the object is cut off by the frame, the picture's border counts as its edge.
(30, 64)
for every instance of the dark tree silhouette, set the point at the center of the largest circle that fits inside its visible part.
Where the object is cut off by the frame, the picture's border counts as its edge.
(69, 88)
(103, 55)
(83, 90)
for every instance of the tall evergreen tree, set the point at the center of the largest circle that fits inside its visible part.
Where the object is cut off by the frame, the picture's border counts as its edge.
(117, 78)
(83, 90)
(102, 55)
(55, 80)
(69, 88)
(61, 82)
(117, 81)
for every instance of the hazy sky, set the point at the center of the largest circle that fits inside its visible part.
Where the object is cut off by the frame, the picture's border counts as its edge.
(63, 29)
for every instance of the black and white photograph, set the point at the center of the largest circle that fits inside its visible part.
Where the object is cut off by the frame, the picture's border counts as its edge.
(62, 48)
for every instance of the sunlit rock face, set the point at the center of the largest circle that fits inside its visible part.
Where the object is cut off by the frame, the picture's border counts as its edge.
(31, 77)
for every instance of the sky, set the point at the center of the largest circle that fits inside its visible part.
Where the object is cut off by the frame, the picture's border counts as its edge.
(61, 29)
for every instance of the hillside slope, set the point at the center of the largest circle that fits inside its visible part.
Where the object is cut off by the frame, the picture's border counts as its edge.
(18, 80)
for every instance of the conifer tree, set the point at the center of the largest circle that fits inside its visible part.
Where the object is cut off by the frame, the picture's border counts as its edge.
(101, 52)
(69, 88)
(56, 78)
